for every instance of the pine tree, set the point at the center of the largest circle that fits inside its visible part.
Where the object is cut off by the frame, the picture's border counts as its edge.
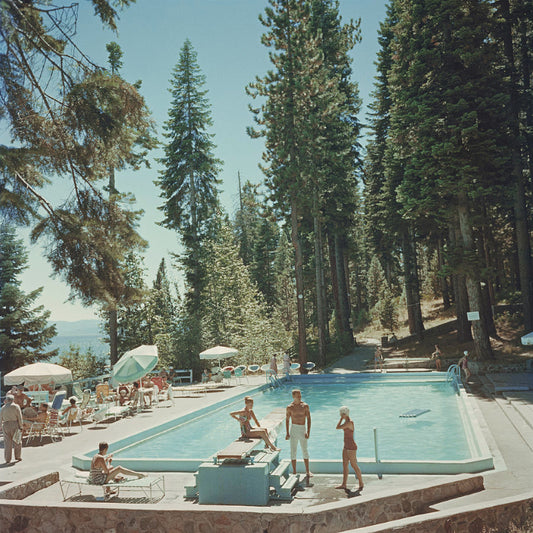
(449, 125)
(67, 118)
(189, 179)
(233, 310)
(24, 332)
(302, 98)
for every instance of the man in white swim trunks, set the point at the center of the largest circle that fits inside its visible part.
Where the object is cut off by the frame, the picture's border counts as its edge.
(299, 413)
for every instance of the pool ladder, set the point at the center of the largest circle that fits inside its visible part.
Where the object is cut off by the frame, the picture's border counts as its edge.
(275, 382)
(454, 375)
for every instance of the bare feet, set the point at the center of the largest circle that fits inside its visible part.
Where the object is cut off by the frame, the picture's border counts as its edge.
(340, 487)
(310, 474)
(274, 449)
(360, 488)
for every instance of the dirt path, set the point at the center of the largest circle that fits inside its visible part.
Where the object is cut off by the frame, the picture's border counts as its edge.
(356, 360)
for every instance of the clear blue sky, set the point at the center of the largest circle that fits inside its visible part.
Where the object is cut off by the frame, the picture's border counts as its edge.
(226, 36)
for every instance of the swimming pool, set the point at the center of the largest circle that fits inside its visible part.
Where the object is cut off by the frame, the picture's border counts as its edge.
(444, 438)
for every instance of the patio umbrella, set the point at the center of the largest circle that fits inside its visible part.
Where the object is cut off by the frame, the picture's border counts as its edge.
(218, 352)
(527, 339)
(38, 374)
(134, 364)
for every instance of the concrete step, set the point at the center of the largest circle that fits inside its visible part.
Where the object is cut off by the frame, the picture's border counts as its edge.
(522, 405)
(285, 493)
(517, 420)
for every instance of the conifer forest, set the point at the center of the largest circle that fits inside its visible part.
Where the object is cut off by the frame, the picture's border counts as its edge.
(360, 216)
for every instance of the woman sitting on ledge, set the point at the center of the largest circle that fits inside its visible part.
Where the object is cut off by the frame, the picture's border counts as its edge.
(102, 472)
(247, 430)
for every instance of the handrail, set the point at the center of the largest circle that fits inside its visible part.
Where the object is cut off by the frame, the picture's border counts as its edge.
(453, 374)
(274, 380)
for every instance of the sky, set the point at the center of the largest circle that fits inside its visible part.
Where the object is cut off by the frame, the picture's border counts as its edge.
(226, 36)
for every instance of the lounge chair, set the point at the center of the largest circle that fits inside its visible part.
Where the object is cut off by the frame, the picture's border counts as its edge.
(253, 368)
(72, 417)
(103, 393)
(239, 375)
(152, 486)
(265, 368)
(35, 430)
(227, 376)
(295, 367)
(52, 427)
(57, 402)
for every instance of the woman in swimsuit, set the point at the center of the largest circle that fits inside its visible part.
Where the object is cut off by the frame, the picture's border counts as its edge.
(247, 430)
(349, 450)
(437, 356)
(463, 363)
(102, 472)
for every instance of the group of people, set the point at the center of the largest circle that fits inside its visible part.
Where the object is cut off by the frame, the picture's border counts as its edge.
(298, 430)
(286, 364)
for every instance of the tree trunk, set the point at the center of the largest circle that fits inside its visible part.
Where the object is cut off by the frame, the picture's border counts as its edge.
(344, 302)
(481, 336)
(113, 337)
(335, 284)
(464, 331)
(320, 292)
(411, 283)
(298, 270)
(519, 199)
(445, 289)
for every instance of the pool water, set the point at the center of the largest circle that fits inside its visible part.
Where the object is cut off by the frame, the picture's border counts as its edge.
(437, 435)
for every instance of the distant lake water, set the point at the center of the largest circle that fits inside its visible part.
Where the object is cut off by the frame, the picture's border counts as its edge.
(84, 334)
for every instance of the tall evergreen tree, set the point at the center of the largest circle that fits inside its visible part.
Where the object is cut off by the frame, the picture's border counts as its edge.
(67, 118)
(449, 125)
(24, 332)
(189, 179)
(233, 310)
(337, 160)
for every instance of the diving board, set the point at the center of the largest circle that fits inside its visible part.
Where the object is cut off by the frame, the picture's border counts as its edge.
(413, 413)
(241, 448)
(242, 475)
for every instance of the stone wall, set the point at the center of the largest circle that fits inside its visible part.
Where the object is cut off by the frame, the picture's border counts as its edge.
(330, 518)
(480, 518)
(29, 487)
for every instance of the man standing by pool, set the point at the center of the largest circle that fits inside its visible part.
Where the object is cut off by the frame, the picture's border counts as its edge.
(299, 413)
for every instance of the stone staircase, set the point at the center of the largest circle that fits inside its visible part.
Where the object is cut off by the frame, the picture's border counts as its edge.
(403, 364)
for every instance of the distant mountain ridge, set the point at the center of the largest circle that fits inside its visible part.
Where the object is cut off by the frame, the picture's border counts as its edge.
(83, 333)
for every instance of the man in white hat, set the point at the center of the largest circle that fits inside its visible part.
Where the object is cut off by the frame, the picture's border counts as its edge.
(11, 418)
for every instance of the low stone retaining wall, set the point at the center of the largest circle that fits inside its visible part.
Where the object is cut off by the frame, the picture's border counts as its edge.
(29, 487)
(330, 518)
(480, 518)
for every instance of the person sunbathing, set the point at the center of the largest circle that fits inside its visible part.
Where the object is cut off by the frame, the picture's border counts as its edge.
(102, 472)
(123, 395)
(31, 416)
(247, 430)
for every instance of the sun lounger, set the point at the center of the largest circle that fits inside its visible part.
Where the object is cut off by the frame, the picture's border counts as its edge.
(153, 486)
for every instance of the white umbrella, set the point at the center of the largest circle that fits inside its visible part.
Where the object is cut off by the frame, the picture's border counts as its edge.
(38, 374)
(218, 352)
(527, 339)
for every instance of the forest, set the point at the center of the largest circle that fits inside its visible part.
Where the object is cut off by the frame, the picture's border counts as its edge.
(358, 220)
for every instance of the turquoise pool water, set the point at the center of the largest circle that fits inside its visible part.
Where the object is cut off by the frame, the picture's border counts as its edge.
(438, 435)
